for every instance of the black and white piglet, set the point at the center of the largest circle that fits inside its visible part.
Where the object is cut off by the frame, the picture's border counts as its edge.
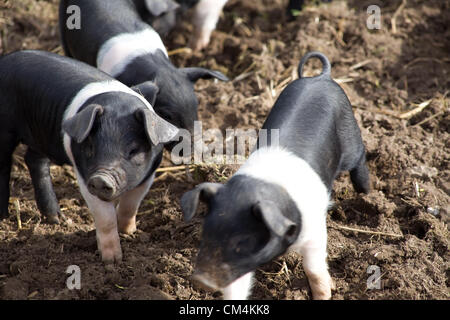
(68, 112)
(278, 200)
(114, 38)
(162, 15)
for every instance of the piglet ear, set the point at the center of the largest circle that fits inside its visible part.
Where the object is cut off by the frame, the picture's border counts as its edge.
(158, 7)
(148, 90)
(79, 126)
(158, 130)
(194, 74)
(277, 223)
(203, 192)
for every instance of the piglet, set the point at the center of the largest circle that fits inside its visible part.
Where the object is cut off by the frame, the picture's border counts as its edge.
(206, 16)
(162, 15)
(68, 112)
(114, 38)
(277, 201)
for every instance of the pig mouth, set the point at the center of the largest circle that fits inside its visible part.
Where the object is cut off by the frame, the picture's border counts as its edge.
(203, 281)
(217, 276)
(209, 282)
(214, 280)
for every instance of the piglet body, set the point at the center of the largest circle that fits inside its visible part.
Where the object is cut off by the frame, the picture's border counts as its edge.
(67, 112)
(277, 201)
(162, 15)
(114, 38)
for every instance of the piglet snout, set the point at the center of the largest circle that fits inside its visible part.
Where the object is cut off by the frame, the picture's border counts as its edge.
(102, 186)
(201, 280)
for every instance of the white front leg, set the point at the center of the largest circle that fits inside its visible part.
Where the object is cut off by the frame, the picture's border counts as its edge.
(315, 265)
(105, 219)
(206, 15)
(240, 288)
(129, 204)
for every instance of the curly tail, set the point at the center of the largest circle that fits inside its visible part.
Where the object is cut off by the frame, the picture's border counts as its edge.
(315, 54)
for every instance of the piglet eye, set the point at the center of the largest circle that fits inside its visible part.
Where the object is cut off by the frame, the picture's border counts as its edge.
(134, 151)
(89, 149)
(243, 244)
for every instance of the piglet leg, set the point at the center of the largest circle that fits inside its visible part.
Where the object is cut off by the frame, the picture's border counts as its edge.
(206, 15)
(360, 176)
(316, 269)
(7, 145)
(39, 167)
(129, 204)
(240, 288)
(105, 218)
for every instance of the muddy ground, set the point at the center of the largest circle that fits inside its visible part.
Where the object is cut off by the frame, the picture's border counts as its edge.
(386, 73)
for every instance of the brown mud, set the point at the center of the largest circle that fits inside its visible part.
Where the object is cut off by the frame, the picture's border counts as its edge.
(384, 74)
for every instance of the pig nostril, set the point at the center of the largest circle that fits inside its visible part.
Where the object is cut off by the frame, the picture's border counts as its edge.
(92, 186)
(100, 185)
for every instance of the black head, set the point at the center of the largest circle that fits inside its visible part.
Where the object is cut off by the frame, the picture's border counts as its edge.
(160, 14)
(248, 223)
(159, 7)
(115, 139)
(176, 101)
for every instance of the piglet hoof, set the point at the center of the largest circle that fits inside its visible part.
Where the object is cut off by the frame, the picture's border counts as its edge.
(110, 250)
(323, 292)
(111, 255)
(4, 214)
(56, 218)
(200, 41)
(332, 284)
(52, 219)
(322, 296)
(127, 226)
(321, 285)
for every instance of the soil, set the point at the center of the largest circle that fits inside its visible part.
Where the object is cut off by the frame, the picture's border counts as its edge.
(385, 73)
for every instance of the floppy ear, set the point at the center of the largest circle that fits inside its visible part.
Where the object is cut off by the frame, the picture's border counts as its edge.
(158, 7)
(147, 89)
(158, 130)
(79, 126)
(194, 74)
(277, 223)
(203, 192)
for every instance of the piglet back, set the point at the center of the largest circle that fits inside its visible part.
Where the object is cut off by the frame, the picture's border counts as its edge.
(326, 71)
